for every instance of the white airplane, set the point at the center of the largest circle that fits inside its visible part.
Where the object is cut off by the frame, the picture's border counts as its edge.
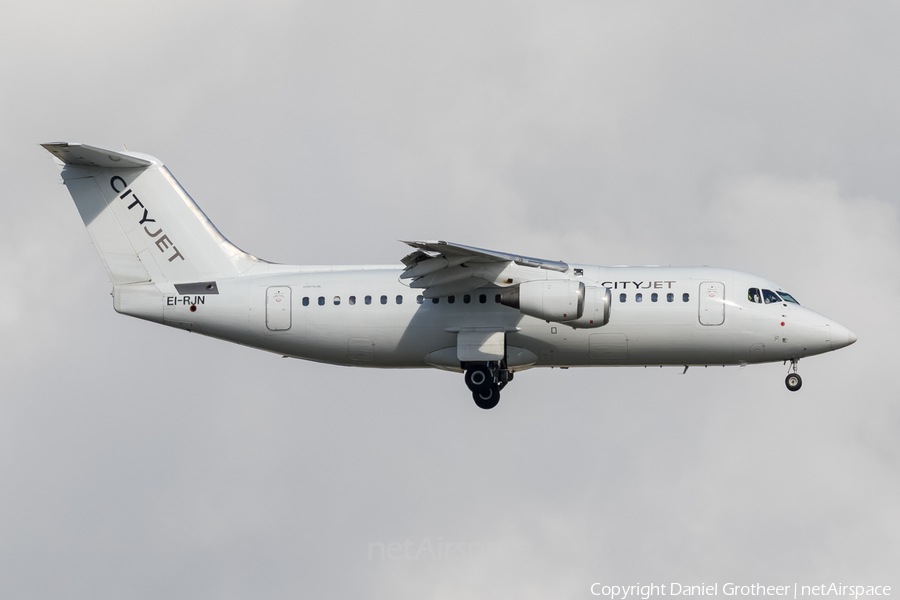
(484, 313)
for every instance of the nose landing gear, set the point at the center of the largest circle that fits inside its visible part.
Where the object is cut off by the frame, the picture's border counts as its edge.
(793, 380)
(485, 380)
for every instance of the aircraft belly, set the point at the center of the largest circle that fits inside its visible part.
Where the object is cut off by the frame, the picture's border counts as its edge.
(371, 346)
(628, 345)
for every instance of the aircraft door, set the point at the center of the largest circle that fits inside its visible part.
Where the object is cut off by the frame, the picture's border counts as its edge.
(712, 303)
(278, 308)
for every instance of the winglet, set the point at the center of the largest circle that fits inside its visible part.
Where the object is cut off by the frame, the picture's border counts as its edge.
(82, 155)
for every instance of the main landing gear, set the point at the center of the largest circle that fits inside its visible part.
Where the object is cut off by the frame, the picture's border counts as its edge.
(485, 380)
(793, 380)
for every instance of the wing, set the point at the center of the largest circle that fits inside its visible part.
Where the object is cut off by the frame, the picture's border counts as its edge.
(444, 268)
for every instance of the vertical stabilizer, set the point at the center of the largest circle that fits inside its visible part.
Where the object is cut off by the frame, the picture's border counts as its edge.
(143, 223)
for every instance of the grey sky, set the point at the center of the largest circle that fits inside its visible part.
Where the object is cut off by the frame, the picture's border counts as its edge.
(138, 461)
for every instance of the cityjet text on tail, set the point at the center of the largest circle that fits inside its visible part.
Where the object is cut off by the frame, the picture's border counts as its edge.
(483, 313)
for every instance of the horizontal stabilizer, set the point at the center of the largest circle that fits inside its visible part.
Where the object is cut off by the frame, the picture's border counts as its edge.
(89, 156)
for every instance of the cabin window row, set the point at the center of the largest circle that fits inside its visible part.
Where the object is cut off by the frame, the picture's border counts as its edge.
(351, 300)
(654, 297)
(467, 299)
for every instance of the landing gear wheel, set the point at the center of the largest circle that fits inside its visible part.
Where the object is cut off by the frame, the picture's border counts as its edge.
(793, 382)
(488, 397)
(478, 377)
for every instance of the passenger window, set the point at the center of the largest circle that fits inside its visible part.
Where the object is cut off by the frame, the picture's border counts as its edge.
(321, 300)
(670, 297)
(368, 299)
(420, 299)
(351, 300)
(435, 300)
(622, 297)
(685, 297)
(482, 298)
(638, 297)
(770, 297)
(497, 298)
(654, 297)
(451, 299)
(467, 298)
(399, 299)
(384, 299)
(753, 295)
(337, 300)
(306, 301)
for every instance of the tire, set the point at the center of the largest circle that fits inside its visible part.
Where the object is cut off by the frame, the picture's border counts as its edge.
(793, 382)
(478, 377)
(487, 398)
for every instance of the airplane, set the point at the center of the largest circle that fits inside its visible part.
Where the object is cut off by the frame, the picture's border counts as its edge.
(479, 312)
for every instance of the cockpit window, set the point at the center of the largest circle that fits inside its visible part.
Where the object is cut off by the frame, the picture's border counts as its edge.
(770, 297)
(787, 297)
(753, 295)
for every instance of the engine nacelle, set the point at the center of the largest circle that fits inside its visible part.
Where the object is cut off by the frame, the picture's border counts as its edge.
(548, 300)
(597, 302)
(564, 301)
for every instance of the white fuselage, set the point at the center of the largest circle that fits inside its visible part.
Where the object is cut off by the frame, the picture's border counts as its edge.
(321, 314)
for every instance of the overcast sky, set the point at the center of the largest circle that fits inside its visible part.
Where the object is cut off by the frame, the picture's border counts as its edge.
(138, 461)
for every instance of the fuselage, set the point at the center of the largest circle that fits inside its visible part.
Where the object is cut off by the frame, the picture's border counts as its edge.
(368, 316)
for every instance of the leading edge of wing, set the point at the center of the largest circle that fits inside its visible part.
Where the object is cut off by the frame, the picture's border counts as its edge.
(472, 254)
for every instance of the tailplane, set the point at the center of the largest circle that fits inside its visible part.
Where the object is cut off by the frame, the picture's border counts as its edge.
(143, 223)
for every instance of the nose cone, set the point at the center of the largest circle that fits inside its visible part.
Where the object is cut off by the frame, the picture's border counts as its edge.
(841, 336)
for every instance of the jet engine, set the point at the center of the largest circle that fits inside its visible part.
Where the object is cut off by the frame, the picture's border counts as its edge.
(597, 301)
(563, 301)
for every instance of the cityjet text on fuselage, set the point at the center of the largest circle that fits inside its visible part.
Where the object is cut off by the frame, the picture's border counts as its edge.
(639, 285)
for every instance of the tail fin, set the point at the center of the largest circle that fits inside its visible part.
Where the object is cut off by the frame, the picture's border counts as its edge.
(142, 222)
